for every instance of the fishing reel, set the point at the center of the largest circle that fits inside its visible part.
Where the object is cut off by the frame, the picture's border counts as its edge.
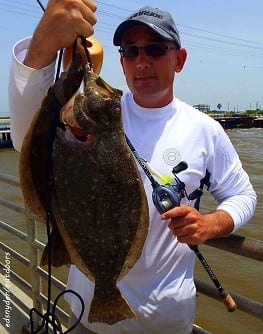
(168, 196)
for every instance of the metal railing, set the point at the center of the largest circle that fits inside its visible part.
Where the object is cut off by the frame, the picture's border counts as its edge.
(236, 244)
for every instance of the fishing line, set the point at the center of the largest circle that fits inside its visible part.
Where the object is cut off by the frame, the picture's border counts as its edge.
(50, 318)
(40, 4)
(84, 43)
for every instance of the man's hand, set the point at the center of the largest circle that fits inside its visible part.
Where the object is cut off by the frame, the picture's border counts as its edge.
(193, 228)
(58, 28)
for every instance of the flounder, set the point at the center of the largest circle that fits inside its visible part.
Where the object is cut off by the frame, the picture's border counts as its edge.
(98, 207)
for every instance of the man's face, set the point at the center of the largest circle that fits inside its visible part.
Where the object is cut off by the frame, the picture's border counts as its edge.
(150, 78)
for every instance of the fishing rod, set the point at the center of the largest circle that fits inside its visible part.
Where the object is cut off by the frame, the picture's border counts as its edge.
(167, 196)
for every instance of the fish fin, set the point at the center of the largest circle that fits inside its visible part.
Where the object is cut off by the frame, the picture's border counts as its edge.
(109, 310)
(59, 253)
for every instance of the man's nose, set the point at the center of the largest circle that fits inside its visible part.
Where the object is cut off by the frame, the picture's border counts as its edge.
(142, 60)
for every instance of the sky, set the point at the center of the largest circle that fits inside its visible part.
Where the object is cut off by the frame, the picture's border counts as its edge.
(223, 38)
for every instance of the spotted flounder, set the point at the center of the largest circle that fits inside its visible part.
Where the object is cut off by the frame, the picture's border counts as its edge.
(99, 211)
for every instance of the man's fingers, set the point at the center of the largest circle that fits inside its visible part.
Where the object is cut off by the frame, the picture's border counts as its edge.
(178, 211)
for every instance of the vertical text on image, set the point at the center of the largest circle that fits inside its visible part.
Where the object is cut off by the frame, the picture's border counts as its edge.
(6, 298)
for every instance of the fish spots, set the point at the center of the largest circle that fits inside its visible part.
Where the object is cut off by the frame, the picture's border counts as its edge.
(99, 204)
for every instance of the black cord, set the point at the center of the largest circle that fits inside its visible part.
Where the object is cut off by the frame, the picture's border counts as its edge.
(40, 4)
(84, 43)
(82, 308)
(59, 64)
(50, 316)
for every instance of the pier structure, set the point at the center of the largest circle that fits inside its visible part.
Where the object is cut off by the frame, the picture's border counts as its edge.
(5, 132)
(238, 121)
(226, 121)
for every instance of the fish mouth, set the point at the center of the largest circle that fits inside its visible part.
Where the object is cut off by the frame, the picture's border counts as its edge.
(76, 136)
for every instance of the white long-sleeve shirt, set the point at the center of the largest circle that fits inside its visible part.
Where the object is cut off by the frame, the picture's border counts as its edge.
(160, 286)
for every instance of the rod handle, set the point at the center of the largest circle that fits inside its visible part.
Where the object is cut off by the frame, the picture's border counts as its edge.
(229, 302)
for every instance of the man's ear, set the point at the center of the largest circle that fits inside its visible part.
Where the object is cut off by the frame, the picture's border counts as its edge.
(181, 56)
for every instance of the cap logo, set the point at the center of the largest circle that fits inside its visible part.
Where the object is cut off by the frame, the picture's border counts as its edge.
(160, 22)
(147, 13)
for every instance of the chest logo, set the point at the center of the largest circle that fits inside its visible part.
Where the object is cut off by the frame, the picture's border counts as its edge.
(172, 156)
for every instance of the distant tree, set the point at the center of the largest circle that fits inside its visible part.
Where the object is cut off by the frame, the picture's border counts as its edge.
(219, 106)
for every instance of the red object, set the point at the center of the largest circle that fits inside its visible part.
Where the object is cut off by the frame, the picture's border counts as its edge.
(78, 132)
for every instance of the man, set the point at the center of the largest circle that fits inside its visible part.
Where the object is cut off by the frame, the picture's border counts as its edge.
(164, 130)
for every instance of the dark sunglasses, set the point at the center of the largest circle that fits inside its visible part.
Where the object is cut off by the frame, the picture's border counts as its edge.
(152, 50)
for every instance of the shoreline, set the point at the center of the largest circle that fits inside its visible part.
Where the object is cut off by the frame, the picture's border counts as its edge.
(228, 121)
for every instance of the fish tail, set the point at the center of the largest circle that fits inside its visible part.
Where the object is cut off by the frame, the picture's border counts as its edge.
(110, 310)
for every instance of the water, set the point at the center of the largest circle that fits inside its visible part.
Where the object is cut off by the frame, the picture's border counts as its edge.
(236, 274)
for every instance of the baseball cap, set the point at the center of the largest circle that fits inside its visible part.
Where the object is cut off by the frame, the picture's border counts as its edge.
(158, 20)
